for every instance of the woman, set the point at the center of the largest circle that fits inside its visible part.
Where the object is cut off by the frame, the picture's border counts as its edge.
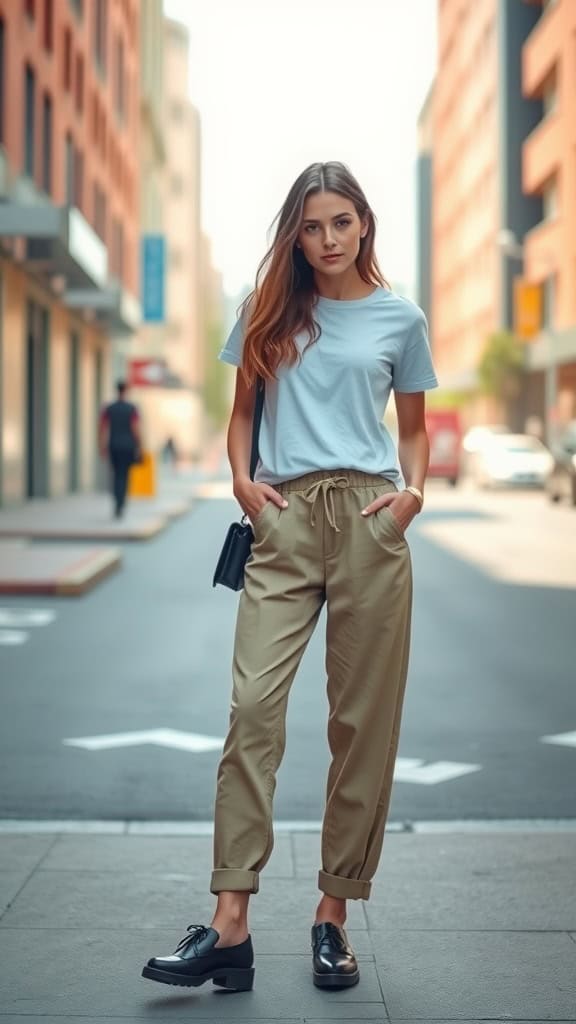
(330, 505)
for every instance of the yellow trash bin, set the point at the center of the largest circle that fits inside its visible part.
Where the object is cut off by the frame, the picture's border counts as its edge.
(142, 482)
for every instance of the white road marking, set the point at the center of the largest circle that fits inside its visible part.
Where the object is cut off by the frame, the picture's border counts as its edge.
(191, 741)
(12, 637)
(410, 769)
(25, 617)
(563, 739)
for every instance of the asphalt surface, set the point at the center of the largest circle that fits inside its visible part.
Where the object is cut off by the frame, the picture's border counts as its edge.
(492, 672)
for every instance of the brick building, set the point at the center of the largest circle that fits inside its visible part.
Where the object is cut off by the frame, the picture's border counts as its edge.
(69, 125)
(549, 172)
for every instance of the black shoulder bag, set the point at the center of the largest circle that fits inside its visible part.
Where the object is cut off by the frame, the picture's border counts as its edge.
(233, 557)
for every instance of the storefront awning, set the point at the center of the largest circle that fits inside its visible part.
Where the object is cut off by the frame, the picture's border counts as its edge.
(59, 242)
(115, 309)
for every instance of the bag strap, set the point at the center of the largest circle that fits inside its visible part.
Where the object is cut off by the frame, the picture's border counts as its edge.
(258, 406)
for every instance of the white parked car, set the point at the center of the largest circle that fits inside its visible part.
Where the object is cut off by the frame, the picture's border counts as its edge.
(513, 460)
(476, 437)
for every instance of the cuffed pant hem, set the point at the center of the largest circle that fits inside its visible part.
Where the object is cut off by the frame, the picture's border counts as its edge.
(343, 888)
(233, 880)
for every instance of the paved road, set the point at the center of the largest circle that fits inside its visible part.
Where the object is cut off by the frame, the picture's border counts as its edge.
(492, 672)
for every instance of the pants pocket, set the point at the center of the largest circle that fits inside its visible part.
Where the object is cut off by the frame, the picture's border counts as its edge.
(387, 521)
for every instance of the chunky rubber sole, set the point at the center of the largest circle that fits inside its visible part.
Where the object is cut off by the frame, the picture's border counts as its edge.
(336, 980)
(238, 979)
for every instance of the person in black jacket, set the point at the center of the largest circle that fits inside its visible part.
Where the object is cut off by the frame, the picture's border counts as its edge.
(120, 443)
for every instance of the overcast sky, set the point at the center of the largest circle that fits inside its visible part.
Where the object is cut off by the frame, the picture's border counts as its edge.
(282, 83)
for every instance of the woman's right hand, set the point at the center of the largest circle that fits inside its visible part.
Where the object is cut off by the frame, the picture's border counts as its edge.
(253, 497)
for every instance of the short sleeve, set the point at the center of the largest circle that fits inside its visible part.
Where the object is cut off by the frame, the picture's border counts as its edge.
(232, 351)
(414, 370)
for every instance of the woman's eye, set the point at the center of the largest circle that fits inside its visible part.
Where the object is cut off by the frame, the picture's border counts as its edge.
(310, 228)
(343, 223)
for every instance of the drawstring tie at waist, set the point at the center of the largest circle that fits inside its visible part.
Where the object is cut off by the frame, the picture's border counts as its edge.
(325, 487)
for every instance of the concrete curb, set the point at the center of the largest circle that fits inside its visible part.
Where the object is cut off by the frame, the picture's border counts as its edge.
(71, 580)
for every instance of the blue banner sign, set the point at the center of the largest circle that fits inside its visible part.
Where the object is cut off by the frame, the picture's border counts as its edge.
(153, 278)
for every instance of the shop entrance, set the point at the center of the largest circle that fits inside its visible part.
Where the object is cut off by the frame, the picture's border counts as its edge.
(74, 413)
(37, 400)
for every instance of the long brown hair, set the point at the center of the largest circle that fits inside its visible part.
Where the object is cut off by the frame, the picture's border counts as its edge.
(282, 302)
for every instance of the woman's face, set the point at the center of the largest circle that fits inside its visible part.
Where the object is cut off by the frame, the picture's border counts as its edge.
(330, 233)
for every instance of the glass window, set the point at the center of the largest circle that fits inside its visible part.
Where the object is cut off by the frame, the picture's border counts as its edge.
(67, 66)
(100, 26)
(95, 119)
(120, 78)
(47, 144)
(99, 212)
(49, 25)
(29, 119)
(2, 53)
(117, 253)
(69, 169)
(79, 83)
(79, 179)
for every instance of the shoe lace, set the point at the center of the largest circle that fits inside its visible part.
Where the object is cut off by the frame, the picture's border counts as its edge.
(195, 933)
(332, 934)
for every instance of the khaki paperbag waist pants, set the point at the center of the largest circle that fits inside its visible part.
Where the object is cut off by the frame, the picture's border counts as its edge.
(318, 549)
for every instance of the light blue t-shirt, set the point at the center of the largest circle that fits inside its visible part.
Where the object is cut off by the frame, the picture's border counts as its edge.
(326, 411)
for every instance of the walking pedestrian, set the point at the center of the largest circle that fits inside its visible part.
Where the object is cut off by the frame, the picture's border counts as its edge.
(120, 443)
(330, 506)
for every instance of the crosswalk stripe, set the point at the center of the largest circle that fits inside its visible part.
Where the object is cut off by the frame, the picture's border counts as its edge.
(12, 637)
(25, 617)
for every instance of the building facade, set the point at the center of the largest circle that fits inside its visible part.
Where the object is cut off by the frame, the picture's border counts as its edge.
(69, 125)
(549, 173)
(424, 209)
(173, 403)
(480, 123)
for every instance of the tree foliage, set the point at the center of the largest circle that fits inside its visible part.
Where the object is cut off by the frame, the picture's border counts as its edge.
(216, 382)
(501, 366)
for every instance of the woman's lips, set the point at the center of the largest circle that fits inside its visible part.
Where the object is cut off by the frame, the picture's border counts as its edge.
(333, 256)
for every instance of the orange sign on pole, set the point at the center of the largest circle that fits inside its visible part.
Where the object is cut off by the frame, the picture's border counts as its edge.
(527, 309)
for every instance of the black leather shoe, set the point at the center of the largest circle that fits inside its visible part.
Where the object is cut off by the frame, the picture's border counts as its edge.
(334, 962)
(196, 961)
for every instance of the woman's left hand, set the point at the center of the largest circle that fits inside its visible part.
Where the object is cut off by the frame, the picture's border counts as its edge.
(402, 504)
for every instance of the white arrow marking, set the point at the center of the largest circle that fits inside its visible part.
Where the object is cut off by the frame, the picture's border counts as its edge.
(190, 741)
(410, 769)
(563, 739)
(12, 637)
(26, 617)
(407, 769)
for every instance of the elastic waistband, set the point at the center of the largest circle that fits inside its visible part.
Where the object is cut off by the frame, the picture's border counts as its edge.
(354, 478)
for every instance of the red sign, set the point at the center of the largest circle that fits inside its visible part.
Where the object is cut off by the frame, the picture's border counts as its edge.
(146, 373)
(444, 434)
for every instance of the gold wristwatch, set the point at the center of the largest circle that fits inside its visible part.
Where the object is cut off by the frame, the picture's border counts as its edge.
(417, 494)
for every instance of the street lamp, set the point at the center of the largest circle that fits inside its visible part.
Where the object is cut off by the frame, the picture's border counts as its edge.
(511, 248)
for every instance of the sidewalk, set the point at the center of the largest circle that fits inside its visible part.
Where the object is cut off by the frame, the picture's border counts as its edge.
(460, 927)
(54, 546)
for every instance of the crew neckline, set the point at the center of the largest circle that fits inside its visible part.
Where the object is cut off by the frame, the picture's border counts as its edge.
(366, 300)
